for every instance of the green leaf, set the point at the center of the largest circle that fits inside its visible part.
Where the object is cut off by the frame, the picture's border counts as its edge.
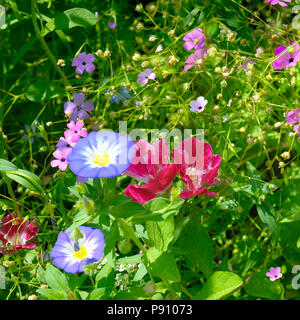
(56, 279)
(163, 265)
(197, 246)
(212, 28)
(161, 233)
(266, 213)
(97, 294)
(52, 294)
(220, 285)
(6, 165)
(127, 210)
(261, 286)
(296, 22)
(75, 17)
(43, 90)
(27, 179)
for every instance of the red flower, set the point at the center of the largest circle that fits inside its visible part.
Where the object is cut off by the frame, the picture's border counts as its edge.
(15, 233)
(150, 165)
(196, 165)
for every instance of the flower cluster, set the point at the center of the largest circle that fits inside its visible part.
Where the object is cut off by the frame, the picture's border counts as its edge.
(195, 40)
(192, 159)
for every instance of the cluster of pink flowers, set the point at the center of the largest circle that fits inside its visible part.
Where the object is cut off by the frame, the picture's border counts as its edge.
(281, 3)
(77, 111)
(195, 40)
(151, 166)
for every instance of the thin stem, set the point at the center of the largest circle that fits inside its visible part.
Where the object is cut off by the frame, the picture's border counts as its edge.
(12, 195)
(43, 42)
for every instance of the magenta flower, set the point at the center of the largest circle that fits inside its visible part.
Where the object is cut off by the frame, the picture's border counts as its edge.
(61, 159)
(288, 59)
(293, 116)
(83, 62)
(75, 131)
(195, 59)
(150, 165)
(281, 3)
(274, 273)
(194, 40)
(112, 25)
(65, 142)
(15, 233)
(198, 105)
(143, 77)
(197, 165)
(79, 108)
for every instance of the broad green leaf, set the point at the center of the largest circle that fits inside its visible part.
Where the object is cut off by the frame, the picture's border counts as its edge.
(43, 90)
(163, 265)
(266, 213)
(161, 233)
(97, 294)
(27, 179)
(127, 210)
(220, 285)
(56, 279)
(261, 286)
(75, 17)
(52, 294)
(212, 28)
(197, 246)
(6, 165)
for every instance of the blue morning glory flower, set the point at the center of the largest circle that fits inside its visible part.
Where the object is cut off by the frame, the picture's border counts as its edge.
(101, 155)
(72, 254)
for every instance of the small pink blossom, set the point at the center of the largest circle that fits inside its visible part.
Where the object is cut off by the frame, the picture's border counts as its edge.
(61, 158)
(194, 40)
(288, 59)
(293, 116)
(112, 25)
(195, 59)
(75, 131)
(274, 273)
(83, 62)
(198, 105)
(281, 3)
(143, 77)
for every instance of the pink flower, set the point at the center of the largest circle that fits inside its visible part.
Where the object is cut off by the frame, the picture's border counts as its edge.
(65, 142)
(274, 273)
(194, 40)
(61, 156)
(15, 233)
(195, 59)
(75, 131)
(143, 77)
(288, 59)
(150, 165)
(197, 165)
(281, 3)
(293, 116)
(198, 105)
(112, 25)
(79, 108)
(83, 62)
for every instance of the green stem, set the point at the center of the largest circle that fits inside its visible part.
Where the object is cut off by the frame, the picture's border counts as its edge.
(12, 195)
(43, 42)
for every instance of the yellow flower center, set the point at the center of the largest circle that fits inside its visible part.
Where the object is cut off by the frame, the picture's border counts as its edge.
(81, 253)
(102, 159)
(196, 41)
